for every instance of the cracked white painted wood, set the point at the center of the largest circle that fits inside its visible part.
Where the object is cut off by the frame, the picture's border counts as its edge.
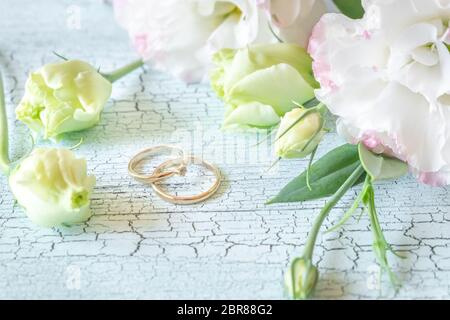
(232, 246)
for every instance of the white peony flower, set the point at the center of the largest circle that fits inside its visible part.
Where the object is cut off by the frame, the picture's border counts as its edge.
(180, 36)
(387, 77)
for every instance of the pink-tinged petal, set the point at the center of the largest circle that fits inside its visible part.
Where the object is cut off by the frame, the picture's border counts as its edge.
(285, 12)
(371, 142)
(318, 37)
(367, 35)
(321, 66)
(382, 143)
(140, 42)
(434, 179)
(322, 73)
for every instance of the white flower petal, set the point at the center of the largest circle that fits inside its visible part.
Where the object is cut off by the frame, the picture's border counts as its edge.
(251, 115)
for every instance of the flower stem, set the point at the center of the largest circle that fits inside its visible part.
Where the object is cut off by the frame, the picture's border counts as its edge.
(4, 146)
(121, 72)
(312, 237)
(380, 246)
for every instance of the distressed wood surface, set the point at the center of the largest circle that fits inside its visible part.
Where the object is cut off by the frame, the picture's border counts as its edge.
(232, 246)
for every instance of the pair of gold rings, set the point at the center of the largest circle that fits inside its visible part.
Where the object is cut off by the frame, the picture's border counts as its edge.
(169, 168)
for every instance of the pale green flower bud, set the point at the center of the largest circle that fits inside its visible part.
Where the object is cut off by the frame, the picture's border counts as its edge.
(63, 97)
(53, 187)
(301, 278)
(301, 139)
(259, 83)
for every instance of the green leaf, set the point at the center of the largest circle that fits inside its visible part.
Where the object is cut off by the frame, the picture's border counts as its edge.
(351, 8)
(379, 167)
(325, 176)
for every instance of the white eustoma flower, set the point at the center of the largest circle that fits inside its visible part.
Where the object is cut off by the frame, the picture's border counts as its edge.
(293, 20)
(53, 187)
(259, 83)
(180, 36)
(63, 97)
(387, 77)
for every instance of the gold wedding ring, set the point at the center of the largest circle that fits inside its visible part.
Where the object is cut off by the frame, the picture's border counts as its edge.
(169, 168)
(187, 199)
(146, 153)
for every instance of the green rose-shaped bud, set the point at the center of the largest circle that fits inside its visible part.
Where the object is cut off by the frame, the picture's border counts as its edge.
(63, 97)
(297, 139)
(259, 83)
(53, 187)
(301, 278)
